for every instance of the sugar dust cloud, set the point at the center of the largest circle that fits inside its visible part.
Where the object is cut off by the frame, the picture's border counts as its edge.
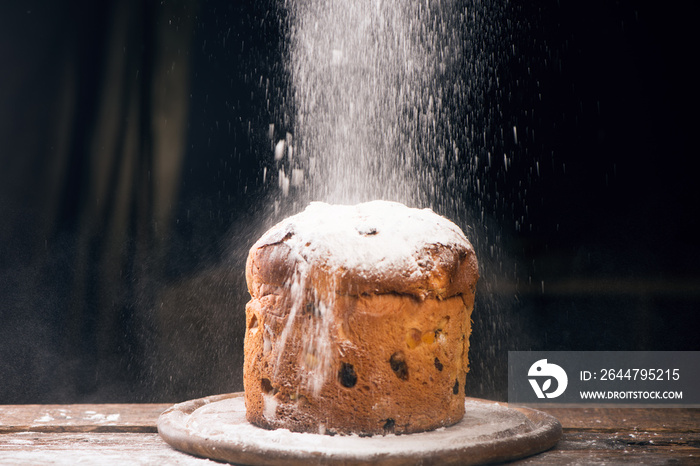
(395, 103)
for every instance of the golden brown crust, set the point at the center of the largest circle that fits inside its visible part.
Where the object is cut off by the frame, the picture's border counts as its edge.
(447, 272)
(397, 365)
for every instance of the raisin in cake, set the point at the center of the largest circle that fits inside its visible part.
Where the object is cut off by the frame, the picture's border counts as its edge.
(359, 321)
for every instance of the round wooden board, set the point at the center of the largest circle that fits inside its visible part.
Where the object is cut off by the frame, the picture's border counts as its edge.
(215, 427)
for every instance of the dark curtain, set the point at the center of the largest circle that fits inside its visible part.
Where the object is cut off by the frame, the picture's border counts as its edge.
(93, 108)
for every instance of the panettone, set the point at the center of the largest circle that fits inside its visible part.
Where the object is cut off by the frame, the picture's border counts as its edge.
(359, 321)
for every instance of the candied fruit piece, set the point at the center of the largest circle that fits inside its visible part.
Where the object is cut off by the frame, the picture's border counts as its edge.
(398, 365)
(347, 375)
(266, 386)
(310, 360)
(413, 338)
(438, 364)
(389, 426)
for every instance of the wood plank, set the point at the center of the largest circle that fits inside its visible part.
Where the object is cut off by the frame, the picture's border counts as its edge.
(631, 419)
(32, 448)
(81, 417)
(609, 457)
(623, 447)
(142, 418)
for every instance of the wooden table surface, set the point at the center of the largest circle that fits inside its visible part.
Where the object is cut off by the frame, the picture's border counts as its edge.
(126, 434)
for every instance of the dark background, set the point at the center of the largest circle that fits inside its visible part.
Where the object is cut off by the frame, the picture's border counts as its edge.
(133, 138)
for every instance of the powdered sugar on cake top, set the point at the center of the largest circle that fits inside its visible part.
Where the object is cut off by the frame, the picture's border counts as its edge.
(368, 238)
